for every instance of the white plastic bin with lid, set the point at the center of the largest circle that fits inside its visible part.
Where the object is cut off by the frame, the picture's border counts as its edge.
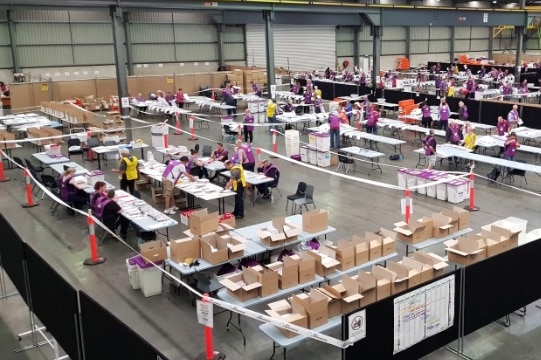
(455, 191)
(323, 159)
(150, 280)
(323, 141)
(305, 154)
(402, 175)
(312, 156)
(422, 180)
(411, 179)
(158, 132)
(133, 274)
(292, 142)
(441, 191)
(312, 139)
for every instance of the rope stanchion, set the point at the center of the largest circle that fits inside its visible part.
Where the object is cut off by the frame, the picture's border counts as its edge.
(166, 137)
(471, 206)
(359, 124)
(29, 198)
(192, 129)
(90, 153)
(204, 315)
(94, 258)
(407, 214)
(274, 143)
(177, 124)
(3, 177)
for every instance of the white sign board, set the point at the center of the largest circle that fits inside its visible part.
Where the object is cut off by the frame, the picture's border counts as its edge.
(125, 102)
(357, 325)
(273, 91)
(205, 316)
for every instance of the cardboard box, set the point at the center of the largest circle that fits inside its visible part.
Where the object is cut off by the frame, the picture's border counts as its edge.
(334, 303)
(384, 279)
(157, 195)
(181, 249)
(441, 225)
(153, 251)
(351, 298)
(454, 220)
(374, 242)
(242, 286)
(463, 217)
(437, 263)
(291, 313)
(345, 254)
(425, 271)
(411, 276)
(288, 272)
(315, 220)
(315, 306)
(6, 136)
(201, 222)
(223, 229)
(362, 250)
(307, 267)
(411, 233)
(273, 235)
(291, 231)
(214, 249)
(368, 285)
(496, 243)
(267, 278)
(388, 241)
(326, 262)
(429, 224)
(466, 250)
(235, 245)
(511, 234)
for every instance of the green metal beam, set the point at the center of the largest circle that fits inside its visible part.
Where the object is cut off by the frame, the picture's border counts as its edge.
(14, 51)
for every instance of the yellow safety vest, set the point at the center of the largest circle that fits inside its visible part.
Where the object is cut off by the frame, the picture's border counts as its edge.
(242, 177)
(271, 110)
(131, 168)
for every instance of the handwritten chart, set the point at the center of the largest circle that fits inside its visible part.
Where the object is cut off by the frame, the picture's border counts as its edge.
(424, 312)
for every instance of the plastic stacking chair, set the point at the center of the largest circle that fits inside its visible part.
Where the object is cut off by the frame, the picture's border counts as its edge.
(520, 173)
(306, 200)
(345, 161)
(275, 186)
(75, 148)
(299, 194)
(206, 284)
(207, 151)
(52, 185)
(92, 143)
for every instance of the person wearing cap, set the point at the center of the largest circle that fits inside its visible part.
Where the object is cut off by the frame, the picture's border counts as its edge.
(269, 170)
(128, 170)
(237, 182)
(271, 114)
(334, 129)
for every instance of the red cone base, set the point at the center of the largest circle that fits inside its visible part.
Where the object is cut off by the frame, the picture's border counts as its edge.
(91, 262)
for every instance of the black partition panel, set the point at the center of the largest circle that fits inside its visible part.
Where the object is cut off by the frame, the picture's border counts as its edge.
(12, 254)
(54, 301)
(500, 285)
(105, 337)
(474, 68)
(378, 343)
(531, 116)
(491, 110)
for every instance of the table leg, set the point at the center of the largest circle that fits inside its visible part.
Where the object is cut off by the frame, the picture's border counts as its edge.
(237, 326)
(273, 350)
(142, 154)
(99, 161)
(419, 162)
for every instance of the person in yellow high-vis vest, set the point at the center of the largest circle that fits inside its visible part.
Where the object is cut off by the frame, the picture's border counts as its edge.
(237, 182)
(129, 171)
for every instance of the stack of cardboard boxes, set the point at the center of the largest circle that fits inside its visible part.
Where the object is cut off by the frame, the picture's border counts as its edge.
(256, 76)
(236, 77)
(44, 132)
(67, 112)
(93, 103)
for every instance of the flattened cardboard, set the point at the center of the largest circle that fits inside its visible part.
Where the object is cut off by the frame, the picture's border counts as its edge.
(201, 222)
(362, 250)
(181, 249)
(153, 251)
(307, 267)
(315, 220)
(411, 233)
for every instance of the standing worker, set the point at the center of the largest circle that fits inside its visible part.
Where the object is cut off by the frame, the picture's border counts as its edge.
(429, 144)
(129, 171)
(237, 182)
(271, 114)
(248, 126)
(170, 176)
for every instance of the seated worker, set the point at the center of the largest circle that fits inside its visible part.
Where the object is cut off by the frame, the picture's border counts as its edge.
(100, 190)
(68, 192)
(111, 214)
(4, 89)
(195, 166)
(265, 167)
(470, 139)
(219, 154)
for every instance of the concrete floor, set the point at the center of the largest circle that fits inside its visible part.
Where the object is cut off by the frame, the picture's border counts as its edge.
(169, 321)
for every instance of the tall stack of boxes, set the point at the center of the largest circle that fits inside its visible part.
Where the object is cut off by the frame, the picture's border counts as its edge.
(237, 77)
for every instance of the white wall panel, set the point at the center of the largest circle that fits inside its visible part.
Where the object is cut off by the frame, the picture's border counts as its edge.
(92, 33)
(387, 62)
(93, 54)
(480, 32)
(365, 48)
(479, 44)
(32, 56)
(393, 47)
(190, 18)
(419, 32)
(4, 34)
(345, 33)
(150, 17)
(151, 33)
(145, 53)
(440, 32)
(462, 32)
(394, 33)
(300, 47)
(41, 15)
(233, 34)
(33, 33)
(196, 52)
(195, 33)
(422, 59)
(344, 49)
(233, 52)
(5, 57)
(365, 34)
(89, 16)
(462, 45)
(439, 46)
(419, 47)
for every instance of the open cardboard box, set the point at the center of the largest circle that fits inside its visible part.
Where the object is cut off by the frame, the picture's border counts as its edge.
(315, 306)
(224, 229)
(291, 313)
(463, 217)
(267, 278)
(326, 262)
(442, 225)
(455, 219)
(351, 298)
(466, 250)
(201, 222)
(368, 288)
(403, 272)
(242, 286)
(291, 231)
(315, 220)
(153, 251)
(374, 242)
(345, 254)
(334, 304)
(214, 248)
(362, 250)
(384, 278)
(429, 224)
(288, 272)
(511, 234)
(273, 235)
(411, 233)
(236, 245)
(437, 263)
(425, 271)
(181, 249)
(388, 241)
(307, 266)
(496, 243)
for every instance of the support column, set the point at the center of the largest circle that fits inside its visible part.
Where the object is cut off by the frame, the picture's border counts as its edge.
(11, 32)
(376, 53)
(129, 51)
(356, 50)
(269, 47)
(520, 42)
(219, 32)
(452, 45)
(408, 43)
(491, 42)
(120, 61)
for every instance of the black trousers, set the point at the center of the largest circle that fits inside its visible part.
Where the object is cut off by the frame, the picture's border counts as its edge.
(126, 184)
(239, 201)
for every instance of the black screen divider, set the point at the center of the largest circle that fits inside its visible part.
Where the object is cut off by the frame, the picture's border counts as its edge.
(378, 343)
(12, 253)
(54, 301)
(106, 337)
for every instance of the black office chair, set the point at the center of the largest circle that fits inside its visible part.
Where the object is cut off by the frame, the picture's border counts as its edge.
(275, 186)
(35, 171)
(106, 155)
(206, 284)
(20, 167)
(306, 200)
(92, 143)
(299, 194)
(207, 151)
(345, 160)
(516, 172)
(227, 134)
(52, 185)
(75, 148)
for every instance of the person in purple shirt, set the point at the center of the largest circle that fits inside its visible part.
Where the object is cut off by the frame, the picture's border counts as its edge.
(510, 147)
(444, 113)
(426, 117)
(502, 127)
(289, 106)
(295, 88)
(513, 117)
(362, 80)
(523, 87)
(255, 88)
(334, 129)
(307, 100)
(437, 84)
(169, 98)
(248, 127)
(429, 145)
(372, 117)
